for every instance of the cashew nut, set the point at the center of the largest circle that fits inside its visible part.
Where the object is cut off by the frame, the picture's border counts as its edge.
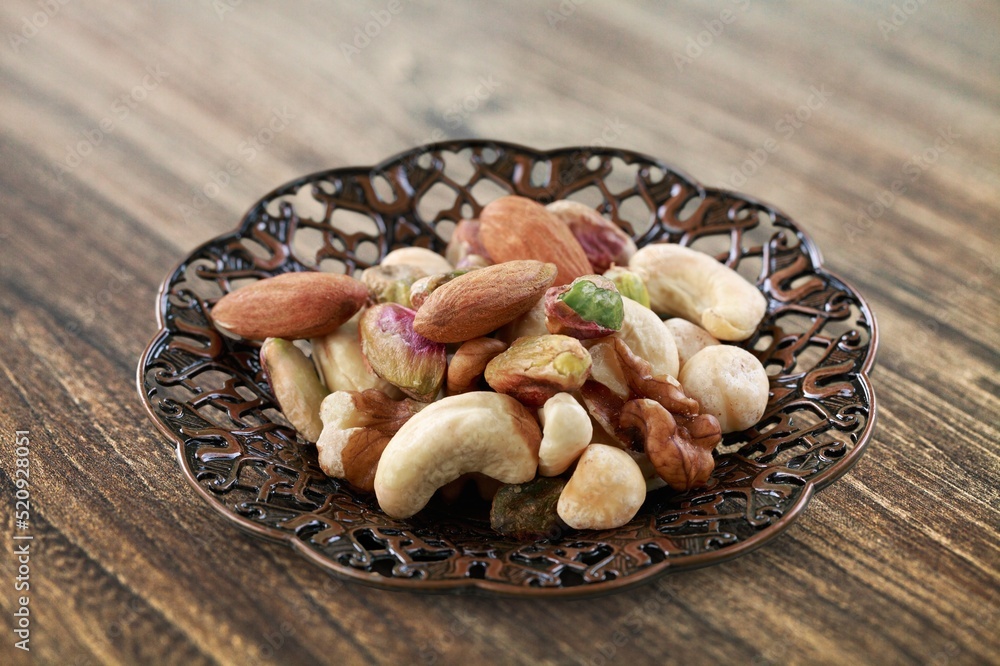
(606, 490)
(480, 431)
(356, 427)
(566, 432)
(648, 338)
(690, 338)
(693, 285)
(428, 261)
(729, 383)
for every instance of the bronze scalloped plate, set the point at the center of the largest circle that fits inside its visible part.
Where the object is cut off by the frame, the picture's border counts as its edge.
(205, 391)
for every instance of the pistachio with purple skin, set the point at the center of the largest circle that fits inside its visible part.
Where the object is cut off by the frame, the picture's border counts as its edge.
(603, 241)
(535, 368)
(590, 307)
(465, 243)
(391, 283)
(422, 288)
(630, 284)
(399, 355)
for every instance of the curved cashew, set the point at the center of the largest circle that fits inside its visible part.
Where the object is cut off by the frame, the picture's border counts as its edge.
(693, 285)
(690, 338)
(356, 427)
(566, 432)
(648, 338)
(606, 490)
(428, 261)
(729, 383)
(480, 431)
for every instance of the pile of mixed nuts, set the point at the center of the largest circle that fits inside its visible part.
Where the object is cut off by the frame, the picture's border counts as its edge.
(531, 360)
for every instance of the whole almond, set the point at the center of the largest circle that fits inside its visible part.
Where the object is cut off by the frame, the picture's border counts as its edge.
(290, 306)
(482, 300)
(514, 227)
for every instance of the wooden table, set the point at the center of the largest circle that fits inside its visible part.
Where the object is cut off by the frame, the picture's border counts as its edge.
(874, 124)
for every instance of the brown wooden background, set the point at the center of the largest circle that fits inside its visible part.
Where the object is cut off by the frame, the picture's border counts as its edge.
(115, 116)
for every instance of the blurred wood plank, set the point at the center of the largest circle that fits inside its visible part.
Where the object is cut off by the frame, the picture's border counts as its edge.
(895, 563)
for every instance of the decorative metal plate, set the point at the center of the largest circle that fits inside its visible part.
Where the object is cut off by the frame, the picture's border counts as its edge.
(205, 391)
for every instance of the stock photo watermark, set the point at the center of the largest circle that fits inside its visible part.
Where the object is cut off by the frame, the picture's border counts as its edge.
(561, 13)
(786, 126)
(697, 44)
(455, 114)
(121, 108)
(22, 539)
(911, 171)
(95, 303)
(364, 33)
(247, 151)
(900, 14)
(35, 23)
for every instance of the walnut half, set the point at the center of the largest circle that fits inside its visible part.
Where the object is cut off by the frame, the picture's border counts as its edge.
(357, 426)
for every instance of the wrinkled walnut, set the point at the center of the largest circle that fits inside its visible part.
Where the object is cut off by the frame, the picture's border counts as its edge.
(357, 426)
(680, 449)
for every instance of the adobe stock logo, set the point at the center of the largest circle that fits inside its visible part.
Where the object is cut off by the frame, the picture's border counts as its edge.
(37, 21)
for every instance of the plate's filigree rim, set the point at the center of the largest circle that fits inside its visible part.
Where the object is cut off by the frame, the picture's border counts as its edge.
(591, 566)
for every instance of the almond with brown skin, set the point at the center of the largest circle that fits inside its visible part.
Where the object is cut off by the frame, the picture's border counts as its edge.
(290, 306)
(482, 300)
(514, 227)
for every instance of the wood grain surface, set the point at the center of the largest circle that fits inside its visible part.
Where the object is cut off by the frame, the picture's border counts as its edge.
(131, 132)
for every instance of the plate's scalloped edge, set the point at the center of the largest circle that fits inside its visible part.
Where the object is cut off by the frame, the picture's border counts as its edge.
(479, 586)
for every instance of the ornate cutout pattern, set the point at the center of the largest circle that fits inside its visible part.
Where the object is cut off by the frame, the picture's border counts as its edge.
(205, 391)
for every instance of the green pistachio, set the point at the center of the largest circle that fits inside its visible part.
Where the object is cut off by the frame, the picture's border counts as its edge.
(399, 355)
(629, 284)
(535, 368)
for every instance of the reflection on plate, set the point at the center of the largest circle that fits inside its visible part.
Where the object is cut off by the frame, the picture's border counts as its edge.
(206, 392)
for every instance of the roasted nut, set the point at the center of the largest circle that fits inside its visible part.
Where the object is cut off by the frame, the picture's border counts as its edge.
(689, 338)
(482, 300)
(602, 241)
(292, 306)
(729, 383)
(469, 363)
(534, 369)
(646, 335)
(391, 284)
(422, 288)
(399, 355)
(514, 227)
(357, 426)
(590, 307)
(681, 452)
(466, 243)
(693, 285)
(607, 369)
(527, 510)
(427, 261)
(295, 385)
(624, 376)
(566, 432)
(606, 490)
(472, 432)
(341, 364)
(629, 284)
